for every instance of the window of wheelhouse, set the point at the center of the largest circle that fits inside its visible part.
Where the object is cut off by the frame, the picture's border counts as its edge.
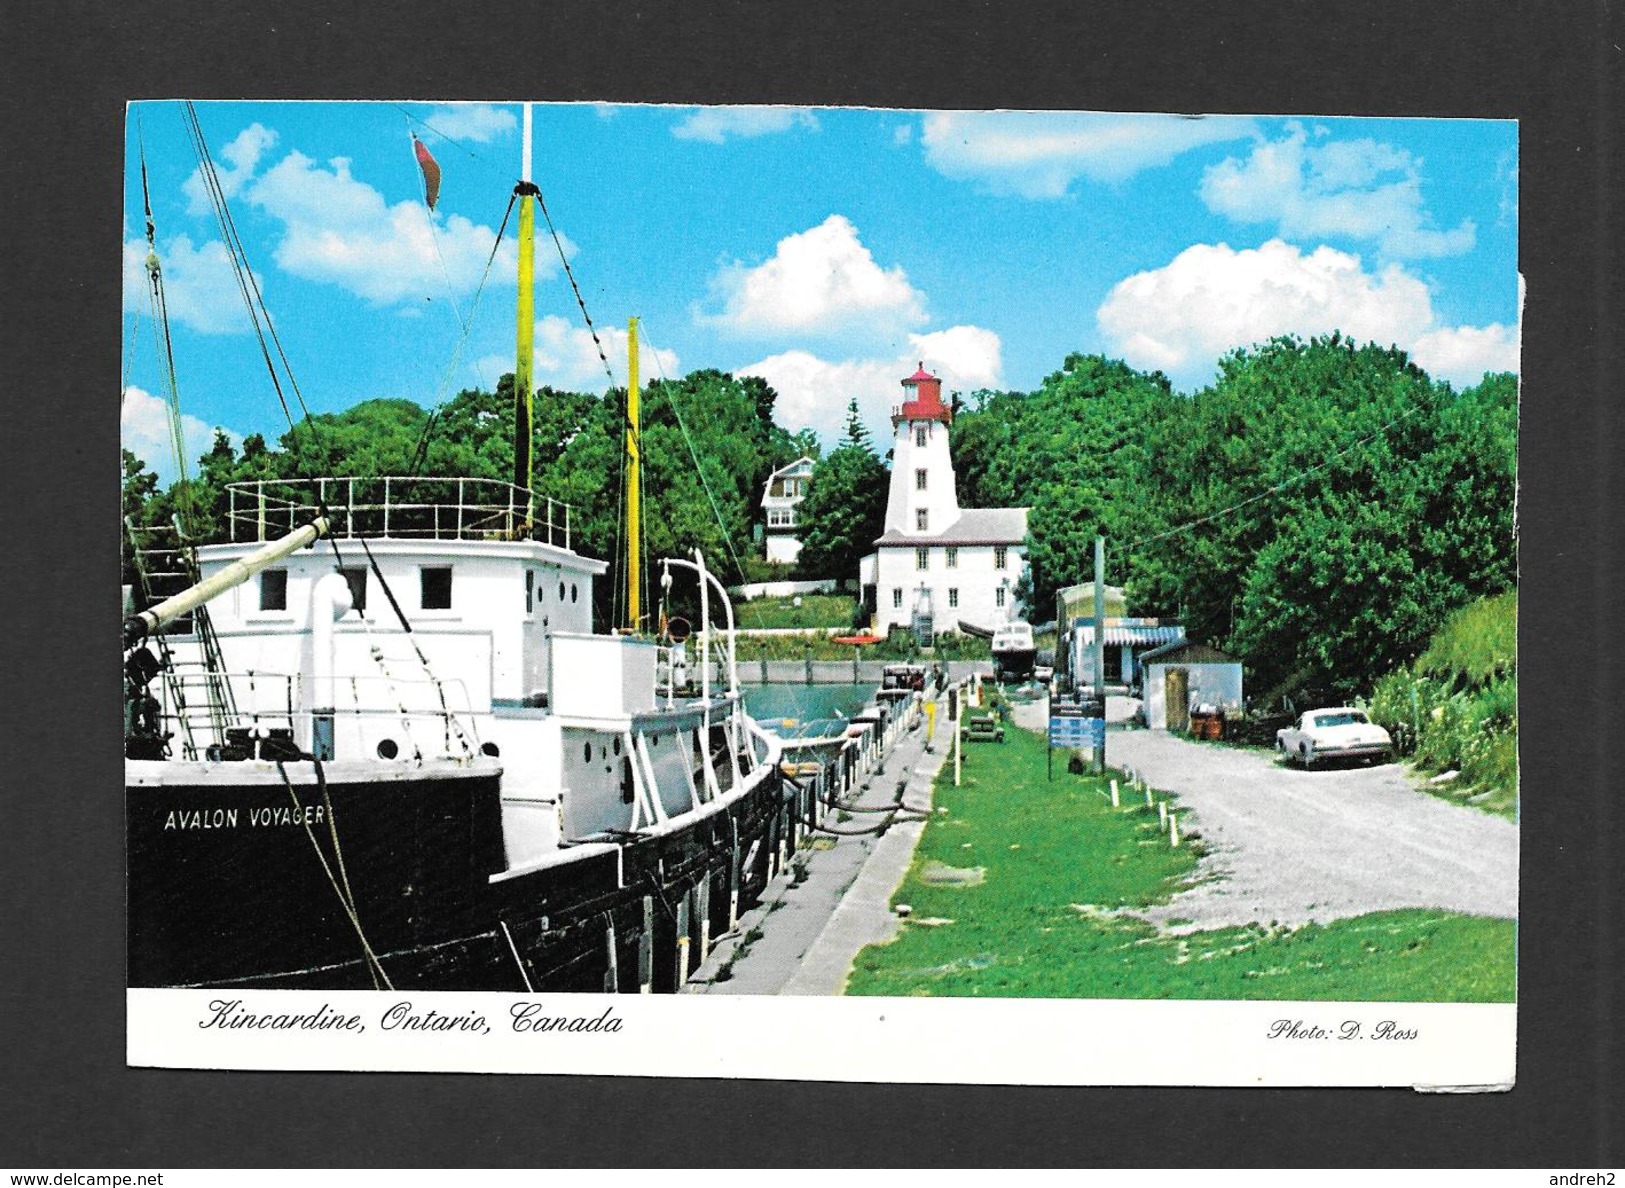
(357, 580)
(274, 590)
(435, 587)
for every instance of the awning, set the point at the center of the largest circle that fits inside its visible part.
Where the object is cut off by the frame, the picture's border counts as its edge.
(1134, 637)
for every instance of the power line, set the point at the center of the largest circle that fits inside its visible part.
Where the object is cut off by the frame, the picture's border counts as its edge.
(1276, 489)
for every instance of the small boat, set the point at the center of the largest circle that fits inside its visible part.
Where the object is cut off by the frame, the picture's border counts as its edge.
(1014, 651)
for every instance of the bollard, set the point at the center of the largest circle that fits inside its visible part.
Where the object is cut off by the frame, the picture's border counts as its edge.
(1147, 795)
(646, 948)
(1173, 830)
(1114, 794)
(1162, 813)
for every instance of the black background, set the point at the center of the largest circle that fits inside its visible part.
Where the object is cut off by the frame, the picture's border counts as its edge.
(68, 69)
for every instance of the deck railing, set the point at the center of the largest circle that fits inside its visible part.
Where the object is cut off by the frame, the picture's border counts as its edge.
(399, 506)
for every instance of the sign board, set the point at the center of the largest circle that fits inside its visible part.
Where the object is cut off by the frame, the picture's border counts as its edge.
(1076, 732)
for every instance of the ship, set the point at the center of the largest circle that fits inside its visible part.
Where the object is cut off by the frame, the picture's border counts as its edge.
(374, 742)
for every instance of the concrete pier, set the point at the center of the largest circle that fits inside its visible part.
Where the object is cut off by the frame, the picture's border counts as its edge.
(802, 938)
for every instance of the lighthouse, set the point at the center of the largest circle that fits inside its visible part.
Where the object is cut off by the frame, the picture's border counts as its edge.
(923, 497)
(938, 565)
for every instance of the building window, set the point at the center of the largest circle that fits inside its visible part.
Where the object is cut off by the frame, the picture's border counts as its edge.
(897, 597)
(953, 596)
(1001, 558)
(998, 596)
(919, 436)
(919, 480)
(781, 517)
(921, 519)
(274, 590)
(530, 590)
(435, 587)
(922, 558)
(357, 578)
(951, 555)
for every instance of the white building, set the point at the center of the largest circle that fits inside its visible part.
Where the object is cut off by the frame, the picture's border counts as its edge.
(786, 488)
(1183, 676)
(958, 565)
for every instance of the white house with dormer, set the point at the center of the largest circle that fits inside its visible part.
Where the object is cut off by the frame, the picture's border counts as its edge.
(786, 488)
(956, 565)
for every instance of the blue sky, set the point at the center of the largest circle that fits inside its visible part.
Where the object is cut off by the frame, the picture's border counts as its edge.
(828, 250)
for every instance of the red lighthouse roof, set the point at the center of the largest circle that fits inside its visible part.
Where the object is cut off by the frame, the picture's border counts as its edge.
(924, 402)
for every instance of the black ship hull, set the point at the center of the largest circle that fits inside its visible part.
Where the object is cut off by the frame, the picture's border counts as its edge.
(251, 876)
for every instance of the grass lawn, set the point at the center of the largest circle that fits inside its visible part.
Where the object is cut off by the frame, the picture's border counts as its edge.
(816, 610)
(1013, 893)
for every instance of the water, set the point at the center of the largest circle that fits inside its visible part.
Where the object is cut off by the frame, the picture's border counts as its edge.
(810, 707)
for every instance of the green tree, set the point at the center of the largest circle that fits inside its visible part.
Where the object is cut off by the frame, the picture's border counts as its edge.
(139, 488)
(845, 510)
(1076, 452)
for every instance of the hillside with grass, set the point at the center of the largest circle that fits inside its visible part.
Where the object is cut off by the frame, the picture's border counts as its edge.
(1456, 708)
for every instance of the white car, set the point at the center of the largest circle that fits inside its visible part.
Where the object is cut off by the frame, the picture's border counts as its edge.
(1341, 733)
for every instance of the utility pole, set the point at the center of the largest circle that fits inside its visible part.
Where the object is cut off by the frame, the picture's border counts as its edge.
(1100, 653)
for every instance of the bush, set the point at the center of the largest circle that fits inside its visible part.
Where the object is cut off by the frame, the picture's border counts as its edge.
(1457, 707)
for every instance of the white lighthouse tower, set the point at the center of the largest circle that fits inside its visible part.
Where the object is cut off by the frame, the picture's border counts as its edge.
(923, 499)
(939, 565)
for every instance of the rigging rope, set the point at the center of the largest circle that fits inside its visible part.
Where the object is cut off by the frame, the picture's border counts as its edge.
(247, 285)
(688, 440)
(575, 288)
(375, 968)
(259, 315)
(421, 454)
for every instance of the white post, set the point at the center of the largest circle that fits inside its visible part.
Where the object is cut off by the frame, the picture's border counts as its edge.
(524, 164)
(330, 600)
(1162, 813)
(959, 738)
(1147, 795)
(1173, 830)
(1114, 794)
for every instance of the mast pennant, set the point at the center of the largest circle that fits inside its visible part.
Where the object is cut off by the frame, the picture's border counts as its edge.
(431, 171)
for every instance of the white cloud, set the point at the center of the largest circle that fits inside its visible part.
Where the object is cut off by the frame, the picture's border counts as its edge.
(144, 431)
(1462, 354)
(814, 392)
(340, 230)
(715, 124)
(565, 357)
(200, 288)
(479, 122)
(1359, 189)
(819, 281)
(242, 157)
(1211, 298)
(1040, 154)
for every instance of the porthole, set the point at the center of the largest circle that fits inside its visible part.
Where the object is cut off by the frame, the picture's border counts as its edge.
(586, 752)
(388, 748)
(491, 749)
(617, 746)
(572, 592)
(561, 591)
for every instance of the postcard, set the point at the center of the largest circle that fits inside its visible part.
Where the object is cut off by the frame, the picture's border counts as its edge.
(821, 593)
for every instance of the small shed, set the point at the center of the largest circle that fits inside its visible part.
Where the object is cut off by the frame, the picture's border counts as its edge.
(1181, 676)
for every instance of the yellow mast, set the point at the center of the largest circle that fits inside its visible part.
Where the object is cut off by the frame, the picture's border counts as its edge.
(634, 462)
(523, 383)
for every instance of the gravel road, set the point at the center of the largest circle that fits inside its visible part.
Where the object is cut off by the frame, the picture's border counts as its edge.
(1297, 846)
